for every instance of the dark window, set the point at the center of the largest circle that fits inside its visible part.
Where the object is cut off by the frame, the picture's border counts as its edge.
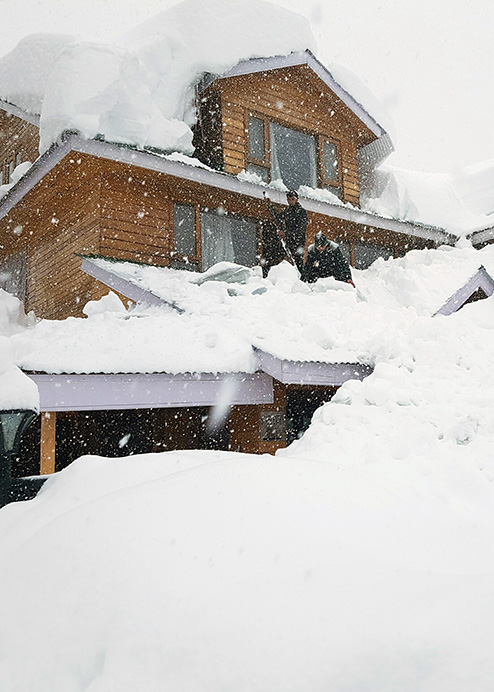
(277, 152)
(257, 148)
(228, 238)
(366, 254)
(184, 229)
(293, 157)
(331, 172)
(272, 426)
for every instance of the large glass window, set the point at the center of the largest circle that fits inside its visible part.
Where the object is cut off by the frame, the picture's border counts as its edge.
(293, 156)
(184, 229)
(257, 148)
(331, 162)
(228, 238)
(278, 152)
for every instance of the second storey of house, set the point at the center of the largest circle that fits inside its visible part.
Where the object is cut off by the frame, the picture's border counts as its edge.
(284, 123)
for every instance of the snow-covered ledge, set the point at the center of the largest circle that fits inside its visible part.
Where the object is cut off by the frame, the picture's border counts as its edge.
(480, 281)
(313, 373)
(156, 390)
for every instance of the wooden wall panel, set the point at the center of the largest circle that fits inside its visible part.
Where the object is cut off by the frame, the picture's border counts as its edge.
(297, 98)
(17, 137)
(136, 215)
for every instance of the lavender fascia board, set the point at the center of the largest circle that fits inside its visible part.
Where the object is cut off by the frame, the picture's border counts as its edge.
(229, 183)
(296, 372)
(125, 287)
(481, 280)
(106, 392)
(19, 113)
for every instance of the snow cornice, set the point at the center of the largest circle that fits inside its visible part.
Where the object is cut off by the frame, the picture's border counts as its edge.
(74, 142)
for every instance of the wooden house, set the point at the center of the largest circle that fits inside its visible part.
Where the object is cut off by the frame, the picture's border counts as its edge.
(267, 119)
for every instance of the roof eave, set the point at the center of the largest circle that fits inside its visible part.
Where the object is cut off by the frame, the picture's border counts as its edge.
(19, 113)
(294, 59)
(224, 181)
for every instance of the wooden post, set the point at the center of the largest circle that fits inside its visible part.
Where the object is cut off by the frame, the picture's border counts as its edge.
(48, 430)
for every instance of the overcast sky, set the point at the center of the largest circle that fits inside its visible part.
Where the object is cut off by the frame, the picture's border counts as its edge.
(430, 64)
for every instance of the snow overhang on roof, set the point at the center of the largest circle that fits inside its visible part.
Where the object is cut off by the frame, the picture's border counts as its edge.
(481, 282)
(292, 60)
(157, 390)
(19, 113)
(74, 143)
(311, 373)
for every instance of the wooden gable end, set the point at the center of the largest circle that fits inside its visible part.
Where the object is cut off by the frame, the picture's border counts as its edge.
(19, 142)
(294, 97)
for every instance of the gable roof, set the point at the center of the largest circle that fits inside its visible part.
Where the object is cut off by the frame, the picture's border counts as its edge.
(300, 58)
(478, 286)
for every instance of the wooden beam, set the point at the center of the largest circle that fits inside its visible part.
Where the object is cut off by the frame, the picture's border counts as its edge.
(48, 435)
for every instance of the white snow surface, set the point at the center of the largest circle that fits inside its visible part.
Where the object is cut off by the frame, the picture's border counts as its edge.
(141, 92)
(360, 558)
(17, 391)
(223, 319)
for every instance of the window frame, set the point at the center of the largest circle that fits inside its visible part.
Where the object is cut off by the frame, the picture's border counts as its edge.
(194, 260)
(320, 140)
(253, 219)
(326, 182)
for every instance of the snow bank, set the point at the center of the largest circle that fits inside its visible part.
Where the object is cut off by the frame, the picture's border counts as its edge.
(231, 309)
(141, 92)
(428, 198)
(227, 571)
(358, 558)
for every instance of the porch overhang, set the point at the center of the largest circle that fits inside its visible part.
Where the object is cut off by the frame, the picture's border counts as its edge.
(311, 373)
(96, 392)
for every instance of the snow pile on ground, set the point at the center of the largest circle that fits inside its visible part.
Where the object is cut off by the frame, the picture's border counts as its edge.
(141, 92)
(216, 571)
(358, 558)
(229, 310)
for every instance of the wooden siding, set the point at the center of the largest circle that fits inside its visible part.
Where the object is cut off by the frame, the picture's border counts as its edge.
(297, 98)
(17, 137)
(94, 206)
(58, 218)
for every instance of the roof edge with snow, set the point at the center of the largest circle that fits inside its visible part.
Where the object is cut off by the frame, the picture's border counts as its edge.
(294, 59)
(19, 113)
(480, 281)
(74, 142)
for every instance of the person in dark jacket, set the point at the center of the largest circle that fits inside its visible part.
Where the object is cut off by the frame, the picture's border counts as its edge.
(291, 224)
(324, 258)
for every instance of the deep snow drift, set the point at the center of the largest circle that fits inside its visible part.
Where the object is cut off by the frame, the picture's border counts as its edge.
(360, 558)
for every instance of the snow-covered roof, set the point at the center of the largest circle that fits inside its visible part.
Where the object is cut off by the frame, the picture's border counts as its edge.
(300, 58)
(181, 166)
(140, 90)
(222, 323)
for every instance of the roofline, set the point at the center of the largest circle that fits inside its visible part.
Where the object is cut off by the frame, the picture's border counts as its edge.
(95, 392)
(127, 288)
(74, 142)
(19, 113)
(480, 236)
(293, 59)
(311, 372)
